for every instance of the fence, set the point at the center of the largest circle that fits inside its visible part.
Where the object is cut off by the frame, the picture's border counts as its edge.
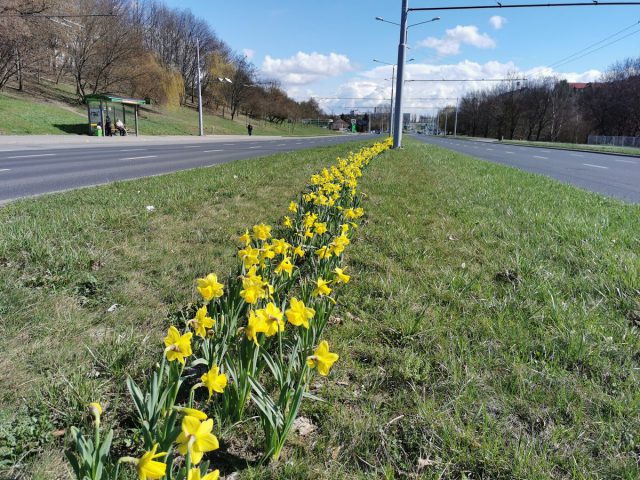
(611, 140)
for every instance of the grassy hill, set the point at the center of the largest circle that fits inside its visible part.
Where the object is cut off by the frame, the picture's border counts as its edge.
(52, 109)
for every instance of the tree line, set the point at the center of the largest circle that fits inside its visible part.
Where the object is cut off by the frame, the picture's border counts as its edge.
(549, 109)
(140, 48)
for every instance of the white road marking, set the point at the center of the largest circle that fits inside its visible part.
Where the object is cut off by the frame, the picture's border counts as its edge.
(140, 158)
(190, 146)
(627, 161)
(5, 169)
(34, 156)
(281, 144)
(229, 144)
(595, 166)
(577, 155)
(542, 158)
(489, 149)
(211, 151)
(254, 147)
(132, 150)
(510, 152)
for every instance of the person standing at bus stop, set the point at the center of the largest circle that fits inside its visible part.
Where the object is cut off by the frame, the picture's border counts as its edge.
(250, 129)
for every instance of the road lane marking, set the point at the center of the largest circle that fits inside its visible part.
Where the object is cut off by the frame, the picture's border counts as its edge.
(595, 166)
(190, 146)
(298, 143)
(543, 158)
(211, 151)
(132, 150)
(229, 144)
(140, 158)
(489, 149)
(34, 156)
(5, 169)
(577, 155)
(627, 161)
(281, 145)
(254, 147)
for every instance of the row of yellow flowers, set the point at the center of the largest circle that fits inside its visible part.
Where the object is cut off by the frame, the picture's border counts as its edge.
(237, 348)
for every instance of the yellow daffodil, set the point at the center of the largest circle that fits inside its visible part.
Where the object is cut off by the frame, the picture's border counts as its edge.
(254, 288)
(246, 238)
(298, 251)
(209, 287)
(324, 252)
(148, 468)
(254, 326)
(299, 314)
(345, 228)
(286, 222)
(280, 246)
(192, 412)
(194, 474)
(309, 234)
(322, 358)
(196, 437)
(201, 322)
(96, 410)
(249, 256)
(321, 289)
(320, 228)
(285, 266)
(262, 232)
(341, 277)
(293, 207)
(266, 252)
(178, 347)
(214, 381)
(272, 318)
(310, 219)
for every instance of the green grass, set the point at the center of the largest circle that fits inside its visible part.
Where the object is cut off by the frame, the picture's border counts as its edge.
(52, 110)
(490, 329)
(578, 146)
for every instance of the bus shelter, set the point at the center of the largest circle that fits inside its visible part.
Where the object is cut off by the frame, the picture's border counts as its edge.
(103, 107)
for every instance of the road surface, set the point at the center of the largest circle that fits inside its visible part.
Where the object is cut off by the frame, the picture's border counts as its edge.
(613, 175)
(28, 171)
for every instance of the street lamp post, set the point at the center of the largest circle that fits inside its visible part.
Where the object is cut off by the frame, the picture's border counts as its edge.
(402, 48)
(393, 79)
(200, 125)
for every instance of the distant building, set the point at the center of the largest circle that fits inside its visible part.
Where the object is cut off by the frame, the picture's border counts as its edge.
(339, 124)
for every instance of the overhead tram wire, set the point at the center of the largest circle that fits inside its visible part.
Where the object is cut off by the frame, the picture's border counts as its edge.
(499, 5)
(596, 49)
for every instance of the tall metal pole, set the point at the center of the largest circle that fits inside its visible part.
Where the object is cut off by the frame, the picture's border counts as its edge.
(393, 79)
(397, 123)
(200, 125)
(455, 127)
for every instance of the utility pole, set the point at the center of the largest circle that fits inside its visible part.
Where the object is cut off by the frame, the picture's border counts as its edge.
(397, 124)
(393, 79)
(455, 127)
(200, 125)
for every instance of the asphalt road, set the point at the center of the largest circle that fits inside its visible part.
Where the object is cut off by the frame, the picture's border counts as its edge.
(613, 175)
(26, 172)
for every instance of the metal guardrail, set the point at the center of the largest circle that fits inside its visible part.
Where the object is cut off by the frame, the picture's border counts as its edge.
(613, 140)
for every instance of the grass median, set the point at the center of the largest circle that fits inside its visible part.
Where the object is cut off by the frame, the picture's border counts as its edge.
(490, 329)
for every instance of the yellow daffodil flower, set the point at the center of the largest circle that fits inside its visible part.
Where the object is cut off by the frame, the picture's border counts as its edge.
(246, 238)
(321, 289)
(194, 474)
(293, 207)
(324, 252)
(214, 381)
(209, 287)
(322, 358)
(178, 347)
(148, 468)
(249, 256)
(196, 437)
(266, 252)
(254, 326)
(286, 222)
(320, 228)
(310, 219)
(262, 232)
(299, 314)
(272, 318)
(280, 246)
(341, 277)
(201, 322)
(298, 251)
(285, 266)
(192, 412)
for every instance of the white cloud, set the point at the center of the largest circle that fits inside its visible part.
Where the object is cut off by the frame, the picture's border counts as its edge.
(306, 68)
(249, 53)
(372, 88)
(497, 22)
(455, 37)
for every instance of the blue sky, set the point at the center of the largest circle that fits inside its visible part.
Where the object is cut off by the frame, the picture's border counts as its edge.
(325, 48)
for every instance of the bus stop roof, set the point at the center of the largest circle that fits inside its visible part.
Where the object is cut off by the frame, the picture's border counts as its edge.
(109, 97)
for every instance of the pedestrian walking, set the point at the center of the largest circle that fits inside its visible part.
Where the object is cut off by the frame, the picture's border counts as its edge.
(249, 129)
(107, 127)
